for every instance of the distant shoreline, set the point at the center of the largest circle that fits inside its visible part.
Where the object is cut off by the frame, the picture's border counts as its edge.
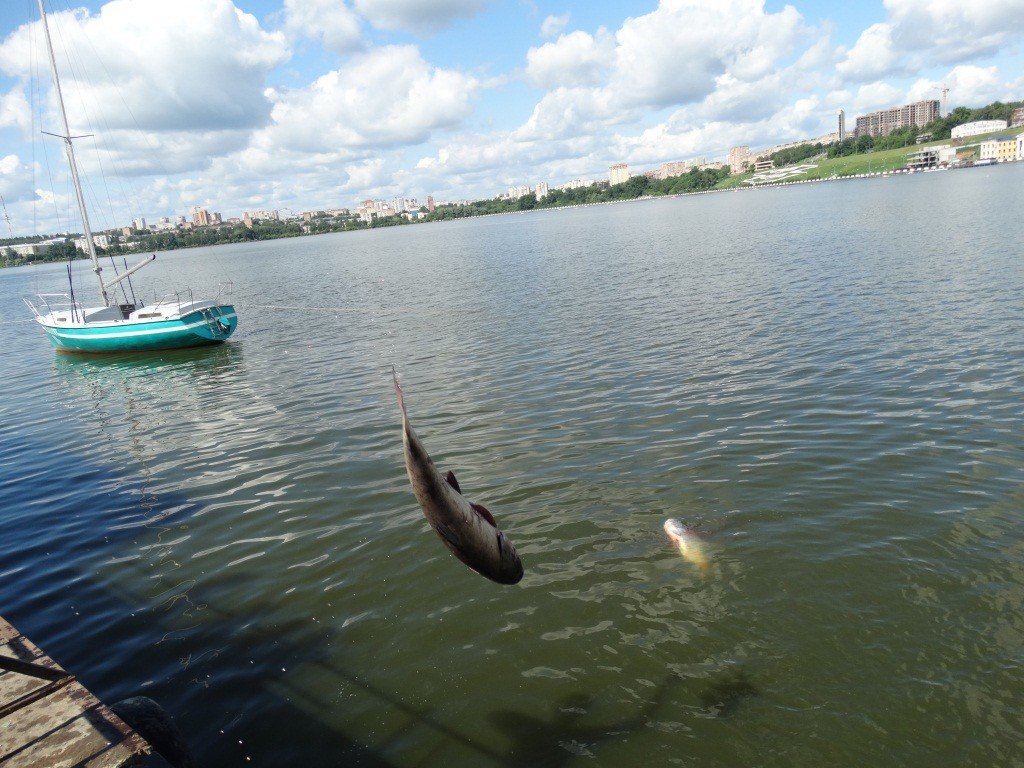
(642, 198)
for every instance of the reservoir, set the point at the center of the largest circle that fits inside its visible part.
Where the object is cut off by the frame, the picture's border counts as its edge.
(826, 380)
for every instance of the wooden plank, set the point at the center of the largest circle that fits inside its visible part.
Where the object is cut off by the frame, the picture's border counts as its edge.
(56, 724)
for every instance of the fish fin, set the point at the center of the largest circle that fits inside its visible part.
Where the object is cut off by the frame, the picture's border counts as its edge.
(448, 534)
(481, 510)
(452, 481)
(398, 391)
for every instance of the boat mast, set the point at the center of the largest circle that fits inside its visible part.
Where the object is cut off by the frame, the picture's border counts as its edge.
(70, 151)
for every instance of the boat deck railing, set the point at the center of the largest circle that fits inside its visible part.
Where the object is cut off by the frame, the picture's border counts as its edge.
(185, 296)
(55, 302)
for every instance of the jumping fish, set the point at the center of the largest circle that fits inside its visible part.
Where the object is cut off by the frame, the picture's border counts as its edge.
(466, 528)
(688, 542)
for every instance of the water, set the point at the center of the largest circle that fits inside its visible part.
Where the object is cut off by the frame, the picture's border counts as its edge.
(827, 379)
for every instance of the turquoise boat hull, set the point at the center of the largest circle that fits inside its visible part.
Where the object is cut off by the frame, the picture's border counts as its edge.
(199, 328)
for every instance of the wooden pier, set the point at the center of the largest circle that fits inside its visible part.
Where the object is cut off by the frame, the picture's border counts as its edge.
(49, 720)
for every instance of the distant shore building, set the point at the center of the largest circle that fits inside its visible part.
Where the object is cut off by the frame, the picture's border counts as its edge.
(618, 174)
(1017, 118)
(931, 157)
(739, 159)
(28, 249)
(263, 215)
(575, 184)
(977, 128)
(763, 165)
(542, 189)
(431, 205)
(842, 125)
(100, 241)
(139, 223)
(676, 168)
(200, 217)
(1002, 149)
(885, 121)
(520, 190)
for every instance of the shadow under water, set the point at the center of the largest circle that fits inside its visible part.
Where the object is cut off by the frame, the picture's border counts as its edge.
(724, 696)
(569, 733)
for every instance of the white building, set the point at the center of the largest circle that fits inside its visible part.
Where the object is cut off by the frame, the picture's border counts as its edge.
(575, 184)
(27, 249)
(542, 189)
(139, 223)
(101, 241)
(1020, 147)
(977, 128)
(263, 215)
(518, 191)
(618, 174)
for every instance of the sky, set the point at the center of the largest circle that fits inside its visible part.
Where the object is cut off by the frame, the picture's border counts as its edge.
(241, 105)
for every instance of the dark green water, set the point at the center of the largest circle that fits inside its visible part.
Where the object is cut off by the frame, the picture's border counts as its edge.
(828, 379)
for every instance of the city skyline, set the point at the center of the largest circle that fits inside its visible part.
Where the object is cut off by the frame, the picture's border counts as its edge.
(304, 105)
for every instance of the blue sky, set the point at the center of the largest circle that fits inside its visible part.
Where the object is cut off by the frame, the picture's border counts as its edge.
(285, 104)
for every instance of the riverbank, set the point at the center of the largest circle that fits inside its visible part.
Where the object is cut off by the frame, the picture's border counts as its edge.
(859, 166)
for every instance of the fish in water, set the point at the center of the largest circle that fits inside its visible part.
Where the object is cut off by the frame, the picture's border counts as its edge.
(688, 541)
(466, 528)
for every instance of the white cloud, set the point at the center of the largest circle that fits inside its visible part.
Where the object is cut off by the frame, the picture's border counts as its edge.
(193, 64)
(421, 17)
(918, 33)
(969, 85)
(575, 59)
(15, 110)
(552, 25)
(956, 31)
(872, 56)
(566, 112)
(732, 55)
(164, 87)
(330, 21)
(15, 180)
(386, 96)
(674, 54)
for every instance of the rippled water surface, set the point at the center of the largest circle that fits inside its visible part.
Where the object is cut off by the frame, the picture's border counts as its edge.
(826, 379)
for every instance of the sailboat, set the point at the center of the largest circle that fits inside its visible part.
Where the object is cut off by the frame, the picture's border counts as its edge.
(177, 320)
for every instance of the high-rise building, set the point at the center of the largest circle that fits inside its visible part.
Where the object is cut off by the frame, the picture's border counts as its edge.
(542, 189)
(430, 203)
(139, 223)
(618, 174)
(842, 125)
(739, 159)
(200, 217)
(885, 121)
(520, 190)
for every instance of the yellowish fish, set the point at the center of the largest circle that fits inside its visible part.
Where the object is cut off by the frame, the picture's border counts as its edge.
(689, 543)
